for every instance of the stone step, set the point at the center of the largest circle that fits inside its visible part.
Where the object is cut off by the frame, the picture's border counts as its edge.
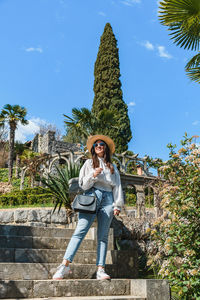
(63, 288)
(148, 289)
(21, 230)
(45, 242)
(129, 297)
(128, 257)
(37, 271)
(28, 255)
(41, 242)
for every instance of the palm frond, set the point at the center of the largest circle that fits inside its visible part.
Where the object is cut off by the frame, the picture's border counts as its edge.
(183, 20)
(14, 113)
(80, 122)
(193, 68)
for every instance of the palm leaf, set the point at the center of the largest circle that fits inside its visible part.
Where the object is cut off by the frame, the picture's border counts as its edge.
(183, 20)
(193, 68)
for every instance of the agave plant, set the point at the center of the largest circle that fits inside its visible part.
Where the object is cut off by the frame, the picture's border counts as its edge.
(58, 184)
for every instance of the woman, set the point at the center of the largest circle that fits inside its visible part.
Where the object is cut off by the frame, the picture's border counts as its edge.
(97, 175)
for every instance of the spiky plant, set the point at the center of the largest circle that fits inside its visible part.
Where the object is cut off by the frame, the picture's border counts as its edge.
(58, 184)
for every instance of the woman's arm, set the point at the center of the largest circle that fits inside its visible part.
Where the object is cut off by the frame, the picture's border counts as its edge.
(86, 178)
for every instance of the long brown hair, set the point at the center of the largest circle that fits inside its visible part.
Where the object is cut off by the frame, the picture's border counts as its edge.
(106, 157)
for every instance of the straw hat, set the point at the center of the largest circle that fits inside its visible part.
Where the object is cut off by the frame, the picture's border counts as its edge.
(93, 138)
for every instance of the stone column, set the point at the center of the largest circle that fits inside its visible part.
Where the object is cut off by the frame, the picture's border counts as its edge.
(157, 207)
(140, 204)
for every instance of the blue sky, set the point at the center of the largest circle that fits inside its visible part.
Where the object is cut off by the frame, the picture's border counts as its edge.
(47, 55)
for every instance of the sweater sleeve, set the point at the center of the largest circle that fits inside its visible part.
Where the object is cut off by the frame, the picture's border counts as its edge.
(86, 179)
(117, 191)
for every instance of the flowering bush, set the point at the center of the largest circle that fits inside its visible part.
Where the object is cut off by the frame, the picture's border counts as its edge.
(177, 232)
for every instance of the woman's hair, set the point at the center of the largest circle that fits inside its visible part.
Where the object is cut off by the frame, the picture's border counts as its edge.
(107, 158)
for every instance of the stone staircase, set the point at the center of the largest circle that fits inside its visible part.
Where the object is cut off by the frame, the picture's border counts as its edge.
(29, 256)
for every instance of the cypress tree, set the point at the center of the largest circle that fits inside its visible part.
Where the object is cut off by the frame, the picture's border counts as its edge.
(107, 90)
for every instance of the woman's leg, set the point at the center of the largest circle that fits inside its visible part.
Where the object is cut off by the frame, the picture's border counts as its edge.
(84, 223)
(104, 218)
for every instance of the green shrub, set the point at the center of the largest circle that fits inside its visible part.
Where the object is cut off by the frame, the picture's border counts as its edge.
(3, 175)
(30, 196)
(15, 181)
(176, 232)
(130, 199)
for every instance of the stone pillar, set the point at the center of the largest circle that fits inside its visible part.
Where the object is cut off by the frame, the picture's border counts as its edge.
(40, 146)
(157, 207)
(151, 289)
(50, 140)
(140, 204)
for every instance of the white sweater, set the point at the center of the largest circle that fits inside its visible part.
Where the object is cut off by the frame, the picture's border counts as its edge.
(104, 181)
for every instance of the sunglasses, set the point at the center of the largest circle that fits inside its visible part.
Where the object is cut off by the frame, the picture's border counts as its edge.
(99, 144)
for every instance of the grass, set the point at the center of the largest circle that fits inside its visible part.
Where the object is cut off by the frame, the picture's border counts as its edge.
(27, 205)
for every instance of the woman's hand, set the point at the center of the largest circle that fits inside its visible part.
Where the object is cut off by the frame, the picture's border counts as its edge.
(116, 212)
(97, 172)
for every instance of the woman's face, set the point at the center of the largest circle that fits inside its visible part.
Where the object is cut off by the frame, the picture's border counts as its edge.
(99, 148)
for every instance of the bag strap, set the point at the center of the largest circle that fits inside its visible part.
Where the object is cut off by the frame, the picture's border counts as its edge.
(94, 194)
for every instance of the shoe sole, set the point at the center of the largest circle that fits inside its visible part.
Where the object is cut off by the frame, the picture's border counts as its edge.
(104, 278)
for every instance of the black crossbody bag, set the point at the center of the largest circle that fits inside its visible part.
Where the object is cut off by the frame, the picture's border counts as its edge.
(85, 203)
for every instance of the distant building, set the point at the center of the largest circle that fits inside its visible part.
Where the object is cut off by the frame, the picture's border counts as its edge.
(47, 143)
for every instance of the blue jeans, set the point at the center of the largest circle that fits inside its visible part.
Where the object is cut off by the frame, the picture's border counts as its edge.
(104, 217)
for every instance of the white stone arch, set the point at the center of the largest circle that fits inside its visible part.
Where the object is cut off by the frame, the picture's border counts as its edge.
(121, 166)
(79, 158)
(23, 173)
(57, 158)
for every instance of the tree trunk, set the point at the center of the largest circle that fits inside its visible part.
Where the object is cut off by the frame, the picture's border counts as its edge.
(11, 150)
(17, 166)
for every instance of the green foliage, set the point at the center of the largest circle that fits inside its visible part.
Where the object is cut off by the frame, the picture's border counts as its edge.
(13, 114)
(15, 181)
(58, 184)
(27, 196)
(84, 123)
(176, 233)
(131, 198)
(183, 20)
(193, 68)
(3, 175)
(108, 92)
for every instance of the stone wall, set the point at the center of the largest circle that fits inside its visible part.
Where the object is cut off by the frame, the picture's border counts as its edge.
(59, 146)
(47, 143)
(130, 234)
(36, 217)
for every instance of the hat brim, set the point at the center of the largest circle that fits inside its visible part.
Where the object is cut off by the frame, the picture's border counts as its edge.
(92, 139)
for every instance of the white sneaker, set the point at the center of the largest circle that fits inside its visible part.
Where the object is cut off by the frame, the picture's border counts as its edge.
(101, 274)
(62, 270)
